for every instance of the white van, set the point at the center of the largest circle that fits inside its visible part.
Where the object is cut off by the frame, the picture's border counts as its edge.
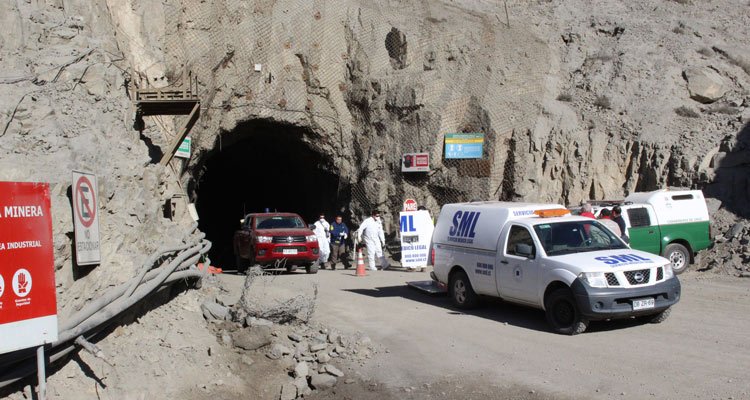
(539, 255)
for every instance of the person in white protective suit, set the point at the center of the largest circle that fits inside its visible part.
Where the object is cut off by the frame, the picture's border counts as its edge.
(322, 231)
(371, 233)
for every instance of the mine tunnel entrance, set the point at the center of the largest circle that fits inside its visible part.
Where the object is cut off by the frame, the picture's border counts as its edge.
(262, 166)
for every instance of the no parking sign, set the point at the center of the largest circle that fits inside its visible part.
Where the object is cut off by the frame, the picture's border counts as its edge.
(28, 304)
(86, 218)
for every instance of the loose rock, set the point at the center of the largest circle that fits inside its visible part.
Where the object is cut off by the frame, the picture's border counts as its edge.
(323, 381)
(252, 339)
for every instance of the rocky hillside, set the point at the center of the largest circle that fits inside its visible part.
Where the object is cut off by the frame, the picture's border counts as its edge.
(576, 100)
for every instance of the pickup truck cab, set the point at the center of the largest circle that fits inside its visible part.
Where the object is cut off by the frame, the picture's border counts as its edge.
(673, 224)
(539, 255)
(276, 239)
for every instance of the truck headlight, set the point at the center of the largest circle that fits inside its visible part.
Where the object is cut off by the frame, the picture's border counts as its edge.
(264, 239)
(668, 271)
(594, 279)
(311, 238)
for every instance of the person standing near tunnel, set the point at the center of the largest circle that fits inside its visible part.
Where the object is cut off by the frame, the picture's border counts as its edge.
(322, 231)
(339, 234)
(371, 232)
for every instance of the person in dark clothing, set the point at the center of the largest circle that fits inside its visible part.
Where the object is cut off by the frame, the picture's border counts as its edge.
(617, 217)
(339, 234)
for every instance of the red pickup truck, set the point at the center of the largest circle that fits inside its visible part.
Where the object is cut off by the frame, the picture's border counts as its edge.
(275, 240)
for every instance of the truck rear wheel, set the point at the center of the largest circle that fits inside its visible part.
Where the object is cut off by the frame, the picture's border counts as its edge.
(563, 314)
(461, 292)
(678, 255)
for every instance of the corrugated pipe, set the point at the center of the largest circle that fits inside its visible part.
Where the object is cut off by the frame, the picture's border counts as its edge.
(96, 315)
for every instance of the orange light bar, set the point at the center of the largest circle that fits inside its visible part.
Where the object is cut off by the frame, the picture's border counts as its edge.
(557, 212)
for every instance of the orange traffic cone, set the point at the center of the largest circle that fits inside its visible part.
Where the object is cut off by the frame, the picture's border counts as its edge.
(360, 264)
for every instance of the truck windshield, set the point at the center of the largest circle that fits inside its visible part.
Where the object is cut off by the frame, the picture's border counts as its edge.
(560, 238)
(279, 222)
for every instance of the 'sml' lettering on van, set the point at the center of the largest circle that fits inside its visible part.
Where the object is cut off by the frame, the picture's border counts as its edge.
(464, 223)
(522, 213)
(623, 259)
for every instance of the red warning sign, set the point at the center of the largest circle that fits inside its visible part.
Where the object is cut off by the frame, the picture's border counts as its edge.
(28, 304)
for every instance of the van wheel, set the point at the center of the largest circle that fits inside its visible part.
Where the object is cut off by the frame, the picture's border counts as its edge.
(312, 268)
(563, 314)
(461, 292)
(678, 255)
(660, 317)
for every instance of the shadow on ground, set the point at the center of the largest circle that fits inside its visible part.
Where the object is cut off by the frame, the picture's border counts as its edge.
(492, 309)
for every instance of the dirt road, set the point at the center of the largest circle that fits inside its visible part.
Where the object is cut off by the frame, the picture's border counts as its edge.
(505, 351)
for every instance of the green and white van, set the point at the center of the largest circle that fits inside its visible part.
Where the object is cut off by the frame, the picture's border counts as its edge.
(670, 223)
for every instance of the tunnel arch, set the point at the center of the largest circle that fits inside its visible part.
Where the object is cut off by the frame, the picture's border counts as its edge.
(263, 165)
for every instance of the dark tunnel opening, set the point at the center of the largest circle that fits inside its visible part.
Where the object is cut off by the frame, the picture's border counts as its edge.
(262, 166)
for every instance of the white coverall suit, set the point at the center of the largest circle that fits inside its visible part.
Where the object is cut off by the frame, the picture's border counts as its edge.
(371, 231)
(322, 231)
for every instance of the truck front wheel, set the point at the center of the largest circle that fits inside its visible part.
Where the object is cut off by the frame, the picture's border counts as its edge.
(461, 292)
(563, 314)
(678, 255)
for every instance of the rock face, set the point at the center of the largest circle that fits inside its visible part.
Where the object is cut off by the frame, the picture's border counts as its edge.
(705, 85)
(571, 108)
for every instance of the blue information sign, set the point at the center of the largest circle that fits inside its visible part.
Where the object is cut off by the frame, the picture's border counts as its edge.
(463, 145)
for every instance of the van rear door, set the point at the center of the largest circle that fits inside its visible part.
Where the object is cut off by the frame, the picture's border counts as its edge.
(644, 231)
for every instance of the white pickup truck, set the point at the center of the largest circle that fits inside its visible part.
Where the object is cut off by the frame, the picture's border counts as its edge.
(539, 255)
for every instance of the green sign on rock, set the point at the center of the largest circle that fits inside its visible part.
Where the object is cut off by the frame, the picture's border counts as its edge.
(184, 149)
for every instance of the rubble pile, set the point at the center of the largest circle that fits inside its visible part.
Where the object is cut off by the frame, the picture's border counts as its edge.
(313, 355)
(730, 254)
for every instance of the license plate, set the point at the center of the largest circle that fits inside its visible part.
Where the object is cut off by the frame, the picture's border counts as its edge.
(290, 251)
(643, 304)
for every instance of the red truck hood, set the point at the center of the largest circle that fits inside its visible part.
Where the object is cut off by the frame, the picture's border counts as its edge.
(284, 232)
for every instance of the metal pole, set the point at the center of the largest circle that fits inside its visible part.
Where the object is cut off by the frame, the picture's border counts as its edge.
(42, 376)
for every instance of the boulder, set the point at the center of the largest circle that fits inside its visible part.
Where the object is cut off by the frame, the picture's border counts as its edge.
(302, 387)
(323, 381)
(705, 85)
(333, 371)
(288, 392)
(301, 370)
(252, 339)
(214, 311)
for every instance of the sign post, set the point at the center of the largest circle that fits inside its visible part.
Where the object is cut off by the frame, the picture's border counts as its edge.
(28, 302)
(86, 218)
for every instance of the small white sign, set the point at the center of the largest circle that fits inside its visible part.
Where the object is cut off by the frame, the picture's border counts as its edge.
(415, 162)
(86, 218)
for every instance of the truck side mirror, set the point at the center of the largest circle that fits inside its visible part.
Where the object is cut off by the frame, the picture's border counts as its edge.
(524, 250)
